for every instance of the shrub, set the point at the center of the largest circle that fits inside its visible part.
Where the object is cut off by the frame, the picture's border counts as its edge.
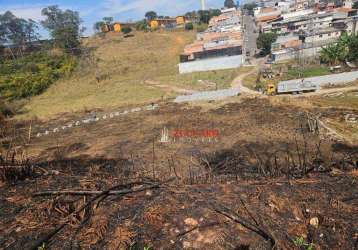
(201, 27)
(31, 75)
(126, 30)
(189, 26)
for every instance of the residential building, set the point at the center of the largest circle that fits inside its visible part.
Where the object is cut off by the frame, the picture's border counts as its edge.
(219, 47)
(286, 42)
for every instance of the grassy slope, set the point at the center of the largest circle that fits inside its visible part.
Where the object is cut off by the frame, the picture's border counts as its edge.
(130, 62)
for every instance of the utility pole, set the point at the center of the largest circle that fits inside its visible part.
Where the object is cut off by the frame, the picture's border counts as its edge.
(203, 5)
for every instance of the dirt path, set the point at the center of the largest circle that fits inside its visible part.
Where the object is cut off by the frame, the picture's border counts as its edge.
(169, 88)
(238, 81)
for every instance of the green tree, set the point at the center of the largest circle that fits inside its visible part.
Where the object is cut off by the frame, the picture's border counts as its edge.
(352, 54)
(126, 30)
(250, 8)
(341, 50)
(264, 42)
(98, 26)
(17, 31)
(150, 15)
(189, 26)
(332, 54)
(355, 5)
(64, 26)
(204, 16)
(214, 12)
(108, 20)
(141, 25)
(31, 28)
(229, 4)
(192, 15)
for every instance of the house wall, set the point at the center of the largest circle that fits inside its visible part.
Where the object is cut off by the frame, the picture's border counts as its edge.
(297, 13)
(323, 37)
(180, 20)
(117, 27)
(227, 62)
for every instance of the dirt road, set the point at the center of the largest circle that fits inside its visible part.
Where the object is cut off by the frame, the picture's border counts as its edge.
(238, 83)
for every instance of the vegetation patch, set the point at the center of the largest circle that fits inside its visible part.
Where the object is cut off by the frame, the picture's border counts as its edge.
(306, 72)
(31, 75)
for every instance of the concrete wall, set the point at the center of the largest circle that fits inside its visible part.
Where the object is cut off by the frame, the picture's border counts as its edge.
(333, 79)
(226, 62)
(298, 54)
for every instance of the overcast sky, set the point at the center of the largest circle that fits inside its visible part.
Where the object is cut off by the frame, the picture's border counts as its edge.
(93, 10)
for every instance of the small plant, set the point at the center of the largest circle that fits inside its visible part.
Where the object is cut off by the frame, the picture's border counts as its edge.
(302, 244)
(146, 248)
(42, 247)
(189, 26)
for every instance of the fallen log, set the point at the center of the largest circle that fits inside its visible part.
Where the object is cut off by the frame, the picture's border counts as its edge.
(89, 192)
(247, 225)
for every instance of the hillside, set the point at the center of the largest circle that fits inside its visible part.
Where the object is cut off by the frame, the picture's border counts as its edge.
(132, 70)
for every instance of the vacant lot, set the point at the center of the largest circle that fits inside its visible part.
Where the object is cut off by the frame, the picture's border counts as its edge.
(265, 179)
(122, 71)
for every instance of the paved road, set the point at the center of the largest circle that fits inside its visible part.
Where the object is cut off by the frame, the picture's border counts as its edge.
(249, 35)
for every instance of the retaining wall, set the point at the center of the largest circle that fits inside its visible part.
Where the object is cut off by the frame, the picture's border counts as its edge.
(226, 62)
(333, 79)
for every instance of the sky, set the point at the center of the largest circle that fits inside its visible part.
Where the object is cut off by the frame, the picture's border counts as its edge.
(94, 10)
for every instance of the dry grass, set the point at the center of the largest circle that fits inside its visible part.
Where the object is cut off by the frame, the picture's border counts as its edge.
(125, 65)
(250, 81)
(346, 100)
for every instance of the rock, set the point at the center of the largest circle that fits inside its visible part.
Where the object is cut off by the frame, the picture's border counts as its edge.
(54, 172)
(314, 222)
(191, 222)
(186, 244)
(136, 110)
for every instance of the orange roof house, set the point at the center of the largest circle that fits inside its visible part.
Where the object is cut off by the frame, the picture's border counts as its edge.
(117, 27)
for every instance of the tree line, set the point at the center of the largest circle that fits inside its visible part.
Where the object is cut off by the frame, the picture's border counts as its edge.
(28, 66)
(200, 16)
(64, 27)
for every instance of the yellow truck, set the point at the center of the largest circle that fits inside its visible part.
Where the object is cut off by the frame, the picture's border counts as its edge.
(292, 87)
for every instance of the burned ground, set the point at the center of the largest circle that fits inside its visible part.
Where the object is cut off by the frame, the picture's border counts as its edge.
(264, 182)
